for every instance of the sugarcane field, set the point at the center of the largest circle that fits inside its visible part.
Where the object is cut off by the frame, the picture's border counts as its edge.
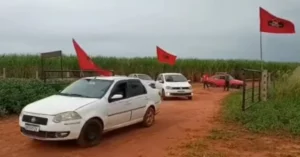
(160, 79)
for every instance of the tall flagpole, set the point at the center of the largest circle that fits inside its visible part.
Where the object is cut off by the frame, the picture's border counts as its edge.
(261, 51)
(260, 42)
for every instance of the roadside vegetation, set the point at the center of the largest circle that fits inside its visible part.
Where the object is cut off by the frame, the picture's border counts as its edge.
(17, 93)
(25, 66)
(281, 113)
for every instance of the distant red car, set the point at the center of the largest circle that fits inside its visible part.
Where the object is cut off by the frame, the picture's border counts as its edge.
(218, 80)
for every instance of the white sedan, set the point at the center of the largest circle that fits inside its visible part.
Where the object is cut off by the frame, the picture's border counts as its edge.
(89, 107)
(145, 78)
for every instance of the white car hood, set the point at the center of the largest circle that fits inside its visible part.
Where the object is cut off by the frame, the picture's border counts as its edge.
(177, 84)
(148, 81)
(57, 104)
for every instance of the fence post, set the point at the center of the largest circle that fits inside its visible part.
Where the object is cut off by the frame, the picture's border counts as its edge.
(259, 87)
(4, 73)
(244, 92)
(81, 74)
(269, 85)
(253, 85)
(264, 85)
(37, 74)
(68, 74)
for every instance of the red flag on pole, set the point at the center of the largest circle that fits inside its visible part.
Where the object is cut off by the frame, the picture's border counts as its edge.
(165, 57)
(86, 63)
(271, 24)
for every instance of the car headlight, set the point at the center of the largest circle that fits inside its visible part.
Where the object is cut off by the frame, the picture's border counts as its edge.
(65, 116)
(168, 87)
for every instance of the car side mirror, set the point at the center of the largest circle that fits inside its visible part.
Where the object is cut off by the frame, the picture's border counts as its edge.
(152, 85)
(161, 81)
(116, 96)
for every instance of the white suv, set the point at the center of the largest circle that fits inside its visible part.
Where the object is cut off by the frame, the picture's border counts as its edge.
(89, 107)
(173, 85)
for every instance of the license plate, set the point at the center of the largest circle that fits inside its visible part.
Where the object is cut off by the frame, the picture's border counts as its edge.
(32, 128)
(180, 91)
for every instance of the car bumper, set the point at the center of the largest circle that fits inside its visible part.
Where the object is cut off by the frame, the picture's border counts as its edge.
(68, 130)
(178, 93)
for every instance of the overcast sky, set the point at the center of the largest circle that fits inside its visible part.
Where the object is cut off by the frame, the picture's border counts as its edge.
(132, 28)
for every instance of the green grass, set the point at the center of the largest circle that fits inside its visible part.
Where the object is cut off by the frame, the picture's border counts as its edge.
(280, 113)
(25, 66)
(17, 93)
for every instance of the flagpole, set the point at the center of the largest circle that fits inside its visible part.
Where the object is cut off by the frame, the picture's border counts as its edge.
(261, 51)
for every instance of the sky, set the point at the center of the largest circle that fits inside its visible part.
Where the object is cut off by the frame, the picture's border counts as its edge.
(207, 29)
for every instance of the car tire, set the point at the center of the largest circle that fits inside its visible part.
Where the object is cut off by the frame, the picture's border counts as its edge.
(90, 134)
(163, 97)
(149, 117)
(190, 98)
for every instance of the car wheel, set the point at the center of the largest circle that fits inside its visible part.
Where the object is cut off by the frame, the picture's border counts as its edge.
(190, 97)
(90, 134)
(163, 94)
(149, 117)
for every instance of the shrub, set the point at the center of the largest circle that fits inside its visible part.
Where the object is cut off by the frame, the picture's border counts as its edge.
(16, 93)
(280, 113)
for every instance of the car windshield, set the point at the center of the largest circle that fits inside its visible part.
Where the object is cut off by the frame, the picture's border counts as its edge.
(89, 88)
(144, 77)
(175, 78)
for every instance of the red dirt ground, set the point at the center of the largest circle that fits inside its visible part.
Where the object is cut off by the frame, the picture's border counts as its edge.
(177, 119)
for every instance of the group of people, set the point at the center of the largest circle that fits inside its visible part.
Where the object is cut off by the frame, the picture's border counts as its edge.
(206, 83)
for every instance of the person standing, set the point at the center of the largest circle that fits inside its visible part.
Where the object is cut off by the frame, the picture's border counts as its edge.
(205, 83)
(112, 72)
(227, 82)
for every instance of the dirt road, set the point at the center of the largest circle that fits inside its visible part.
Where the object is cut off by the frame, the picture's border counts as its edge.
(174, 121)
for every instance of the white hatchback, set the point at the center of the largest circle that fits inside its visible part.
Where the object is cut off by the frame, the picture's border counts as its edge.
(89, 107)
(173, 85)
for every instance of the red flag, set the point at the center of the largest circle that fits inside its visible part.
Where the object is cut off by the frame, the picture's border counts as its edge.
(165, 57)
(86, 63)
(272, 24)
